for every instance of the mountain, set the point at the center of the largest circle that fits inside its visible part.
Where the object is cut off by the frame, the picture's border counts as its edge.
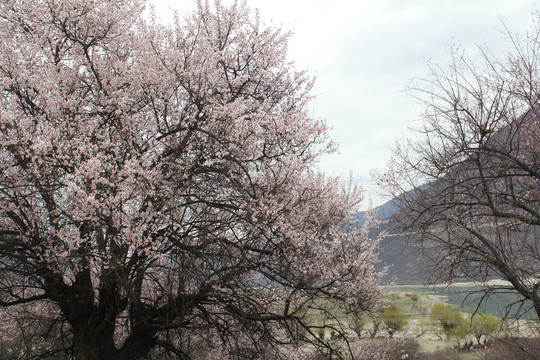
(403, 261)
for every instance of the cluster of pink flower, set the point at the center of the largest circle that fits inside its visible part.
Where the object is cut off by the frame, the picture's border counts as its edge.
(157, 185)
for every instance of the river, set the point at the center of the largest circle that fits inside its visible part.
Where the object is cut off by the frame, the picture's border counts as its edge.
(468, 296)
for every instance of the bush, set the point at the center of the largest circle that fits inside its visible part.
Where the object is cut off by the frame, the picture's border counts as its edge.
(450, 319)
(413, 296)
(514, 349)
(394, 320)
(482, 324)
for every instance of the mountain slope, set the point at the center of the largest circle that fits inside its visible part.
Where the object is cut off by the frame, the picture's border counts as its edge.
(402, 261)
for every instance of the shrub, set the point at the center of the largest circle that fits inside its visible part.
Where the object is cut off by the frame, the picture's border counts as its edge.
(394, 320)
(514, 349)
(450, 319)
(482, 324)
(414, 296)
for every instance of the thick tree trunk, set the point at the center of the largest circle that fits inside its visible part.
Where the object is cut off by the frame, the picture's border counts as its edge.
(528, 292)
(535, 298)
(86, 345)
(92, 342)
(86, 351)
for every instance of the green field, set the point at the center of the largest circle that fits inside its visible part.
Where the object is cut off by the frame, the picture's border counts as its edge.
(429, 333)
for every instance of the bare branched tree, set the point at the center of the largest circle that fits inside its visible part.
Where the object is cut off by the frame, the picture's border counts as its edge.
(467, 183)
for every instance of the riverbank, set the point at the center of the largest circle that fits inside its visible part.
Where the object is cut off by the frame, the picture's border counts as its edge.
(494, 297)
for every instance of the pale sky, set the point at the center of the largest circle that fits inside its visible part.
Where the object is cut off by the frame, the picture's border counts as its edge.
(364, 53)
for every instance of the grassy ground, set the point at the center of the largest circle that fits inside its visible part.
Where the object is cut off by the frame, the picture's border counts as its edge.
(416, 307)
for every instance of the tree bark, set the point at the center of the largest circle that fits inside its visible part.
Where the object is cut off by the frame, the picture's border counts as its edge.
(91, 342)
(86, 345)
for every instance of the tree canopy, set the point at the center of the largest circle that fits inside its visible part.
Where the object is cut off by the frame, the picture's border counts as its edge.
(158, 195)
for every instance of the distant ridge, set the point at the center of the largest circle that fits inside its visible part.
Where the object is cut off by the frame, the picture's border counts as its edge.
(403, 262)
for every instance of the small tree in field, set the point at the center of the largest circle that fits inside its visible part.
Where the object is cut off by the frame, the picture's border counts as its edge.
(394, 320)
(449, 319)
(467, 183)
(482, 325)
(157, 189)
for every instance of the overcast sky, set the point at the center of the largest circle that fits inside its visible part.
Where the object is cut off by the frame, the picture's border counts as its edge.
(364, 53)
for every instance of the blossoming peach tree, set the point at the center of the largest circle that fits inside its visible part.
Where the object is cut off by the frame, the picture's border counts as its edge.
(158, 195)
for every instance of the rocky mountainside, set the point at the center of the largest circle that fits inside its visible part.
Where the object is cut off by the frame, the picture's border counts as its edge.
(404, 262)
